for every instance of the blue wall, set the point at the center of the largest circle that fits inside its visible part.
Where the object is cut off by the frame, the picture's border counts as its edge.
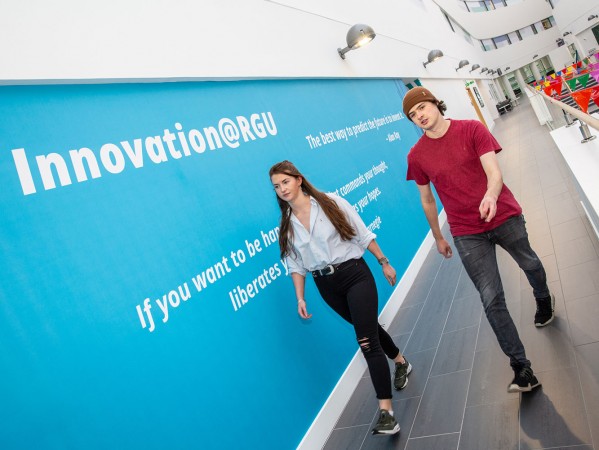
(108, 217)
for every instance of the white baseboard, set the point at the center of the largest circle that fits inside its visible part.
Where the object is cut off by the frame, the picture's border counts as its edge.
(325, 421)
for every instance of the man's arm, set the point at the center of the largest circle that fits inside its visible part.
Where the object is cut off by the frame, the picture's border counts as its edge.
(488, 205)
(432, 216)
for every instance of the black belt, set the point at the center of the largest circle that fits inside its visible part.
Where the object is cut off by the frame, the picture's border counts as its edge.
(332, 268)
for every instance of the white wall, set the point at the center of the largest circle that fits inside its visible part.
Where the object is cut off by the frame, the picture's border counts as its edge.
(571, 15)
(155, 40)
(186, 39)
(455, 97)
(560, 57)
(587, 40)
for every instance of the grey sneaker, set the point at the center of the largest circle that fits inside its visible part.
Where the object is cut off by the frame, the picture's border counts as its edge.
(386, 424)
(544, 315)
(524, 381)
(400, 379)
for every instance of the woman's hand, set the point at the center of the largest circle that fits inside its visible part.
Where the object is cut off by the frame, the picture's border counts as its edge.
(390, 274)
(302, 310)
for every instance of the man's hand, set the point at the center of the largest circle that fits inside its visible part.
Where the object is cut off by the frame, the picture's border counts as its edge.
(488, 208)
(444, 248)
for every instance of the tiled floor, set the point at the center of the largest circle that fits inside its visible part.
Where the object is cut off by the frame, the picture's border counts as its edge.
(456, 397)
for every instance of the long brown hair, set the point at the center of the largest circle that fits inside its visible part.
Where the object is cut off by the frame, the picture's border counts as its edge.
(328, 205)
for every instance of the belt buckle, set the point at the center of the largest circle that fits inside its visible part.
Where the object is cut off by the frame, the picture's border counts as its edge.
(330, 269)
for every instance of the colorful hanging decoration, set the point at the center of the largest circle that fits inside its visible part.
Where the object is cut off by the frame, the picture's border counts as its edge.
(553, 87)
(571, 83)
(583, 79)
(582, 99)
(595, 95)
(595, 74)
(556, 85)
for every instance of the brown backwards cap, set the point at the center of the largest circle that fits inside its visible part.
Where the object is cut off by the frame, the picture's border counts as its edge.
(415, 96)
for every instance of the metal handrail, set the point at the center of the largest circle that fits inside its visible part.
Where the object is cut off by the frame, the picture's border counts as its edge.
(586, 118)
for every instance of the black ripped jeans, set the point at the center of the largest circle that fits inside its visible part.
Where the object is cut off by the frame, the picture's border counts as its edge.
(351, 293)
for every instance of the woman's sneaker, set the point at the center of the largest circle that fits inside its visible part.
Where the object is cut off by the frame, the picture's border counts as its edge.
(544, 315)
(524, 381)
(402, 370)
(386, 424)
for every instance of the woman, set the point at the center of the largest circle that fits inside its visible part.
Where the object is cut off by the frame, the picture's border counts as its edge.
(323, 234)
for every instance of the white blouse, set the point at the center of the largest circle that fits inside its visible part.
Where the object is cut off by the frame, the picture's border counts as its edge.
(323, 245)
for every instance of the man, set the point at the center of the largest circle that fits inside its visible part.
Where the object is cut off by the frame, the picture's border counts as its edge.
(458, 157)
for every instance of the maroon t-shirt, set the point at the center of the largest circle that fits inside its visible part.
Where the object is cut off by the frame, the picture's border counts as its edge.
(452, 164)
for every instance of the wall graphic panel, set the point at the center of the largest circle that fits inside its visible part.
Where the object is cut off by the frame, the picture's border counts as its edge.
(143, 303)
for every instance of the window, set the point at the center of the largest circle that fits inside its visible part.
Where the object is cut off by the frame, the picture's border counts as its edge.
(488, 44)
(501, 41)
(514, 37)
(477, 6)
(486, 5)
(478, 97)
(526, 32)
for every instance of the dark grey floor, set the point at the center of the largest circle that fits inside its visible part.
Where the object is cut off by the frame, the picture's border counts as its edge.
(456, 397)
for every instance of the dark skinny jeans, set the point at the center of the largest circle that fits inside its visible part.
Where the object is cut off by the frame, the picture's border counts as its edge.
(477, 252)
(351, 293)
